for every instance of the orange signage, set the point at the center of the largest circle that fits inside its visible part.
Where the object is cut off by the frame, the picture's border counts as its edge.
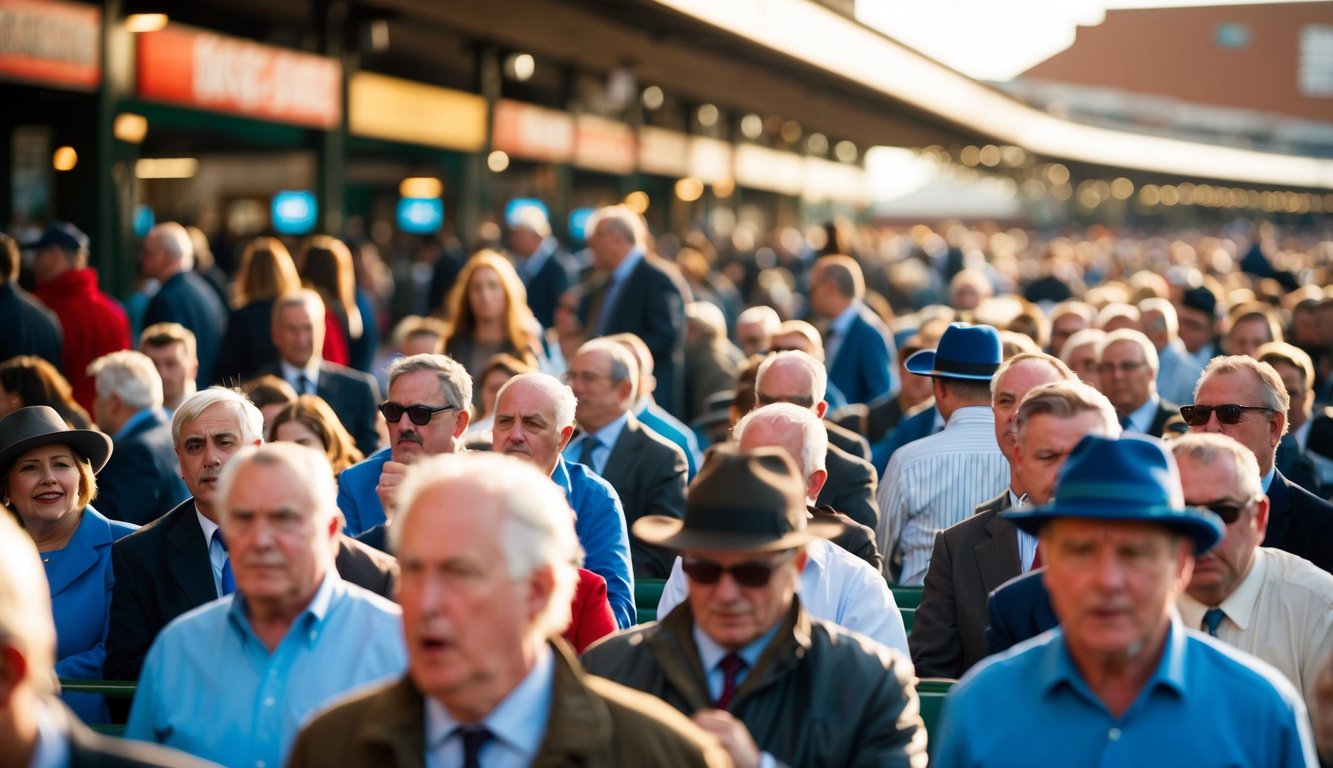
(227, 74)
(532, 132)
(51, 42)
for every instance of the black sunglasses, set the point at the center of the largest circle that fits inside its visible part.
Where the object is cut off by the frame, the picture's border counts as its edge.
(752, 574)
(419, 414)
(1198, 415)
(1229, 511)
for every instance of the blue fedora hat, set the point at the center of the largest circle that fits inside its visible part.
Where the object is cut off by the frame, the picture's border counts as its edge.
(965, 351)
(1131, 478)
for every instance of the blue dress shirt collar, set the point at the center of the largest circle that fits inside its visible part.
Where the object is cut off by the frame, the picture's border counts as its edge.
(518, 722)
(309, 622)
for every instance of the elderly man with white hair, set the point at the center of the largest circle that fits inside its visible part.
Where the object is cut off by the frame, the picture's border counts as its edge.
(546, 268)
(487, 547)
(142, 480)
(167, 255)
(233, 680)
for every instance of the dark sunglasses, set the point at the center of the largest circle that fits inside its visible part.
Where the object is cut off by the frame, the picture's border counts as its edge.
(419, 414)
(1229, 511)
(752, 574)
(1198, 415)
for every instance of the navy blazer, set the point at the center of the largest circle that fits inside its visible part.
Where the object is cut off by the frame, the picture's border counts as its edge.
(248, 345)
(850, 487)
(651, 305)
(1299, 522)
(30, 327)
(1019, 609)
(545, 288)
(80, 578)
(648, 473)
(141, 481)
(352, 394)
(863, 367)
(187, 299)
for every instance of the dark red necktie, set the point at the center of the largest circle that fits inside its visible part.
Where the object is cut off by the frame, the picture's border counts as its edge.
(731, 665)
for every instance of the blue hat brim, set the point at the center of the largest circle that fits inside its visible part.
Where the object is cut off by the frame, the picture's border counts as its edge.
(1203, 527)
(922, 363)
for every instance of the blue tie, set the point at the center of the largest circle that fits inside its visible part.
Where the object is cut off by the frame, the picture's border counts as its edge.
(590, 444)
(474, 737)
(228, 579)
(1212, 619)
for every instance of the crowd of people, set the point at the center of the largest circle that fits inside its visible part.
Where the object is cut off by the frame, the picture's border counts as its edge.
(325, 510)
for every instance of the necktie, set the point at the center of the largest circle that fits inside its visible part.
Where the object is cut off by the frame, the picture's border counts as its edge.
(306, 385)
(609, 298)
(585, 453)
(474, 736)
(1124, 422)
(228, 579)
(731, 665)
(1212, 619)
(1036, 559)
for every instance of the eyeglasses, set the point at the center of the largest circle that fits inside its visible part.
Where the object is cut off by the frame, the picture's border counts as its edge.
(1123, 367)
(1198, 415)
(419, 414)
(751, 574)
(1229, 511)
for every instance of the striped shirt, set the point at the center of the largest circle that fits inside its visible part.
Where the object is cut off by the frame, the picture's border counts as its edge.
(933, 483)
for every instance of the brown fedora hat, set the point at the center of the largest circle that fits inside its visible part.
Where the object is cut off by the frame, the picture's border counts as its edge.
(39, 425)
(741, 502)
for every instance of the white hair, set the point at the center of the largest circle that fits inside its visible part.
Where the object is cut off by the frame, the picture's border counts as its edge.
(562, 397)
(794, 418)
(130, 376)
(1134, 337)
(309, 466)
(1205, 448)
(707, 319)
(1080, 338)
(795, 357)
(248, 418)
(762, 314)
(537, 529)
(175, 240)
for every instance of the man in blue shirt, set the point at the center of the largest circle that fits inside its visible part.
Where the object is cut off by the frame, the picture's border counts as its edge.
(534, 419)
(232, 680)
(1121, 681)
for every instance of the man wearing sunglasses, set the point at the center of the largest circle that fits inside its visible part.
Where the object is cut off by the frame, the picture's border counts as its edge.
(742, 656)
(1246, 400)
(426, 414)
(1266, 602)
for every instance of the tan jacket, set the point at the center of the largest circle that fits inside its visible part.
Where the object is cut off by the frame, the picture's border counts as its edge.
(594, 722)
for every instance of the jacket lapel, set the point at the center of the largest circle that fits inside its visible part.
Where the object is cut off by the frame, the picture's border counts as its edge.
(397, 721)
(997, 556)
(624, 453)
(187, 557)
(579, 720)
(80, 553)
(1279, 511)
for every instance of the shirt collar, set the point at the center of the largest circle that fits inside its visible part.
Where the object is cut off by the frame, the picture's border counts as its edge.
(519, 719)
(1141, 418)
(844, 320)
(51, 749)
(208, 525)
(1058, 668)
(975, 413)
(1268, 479)
(609, 434)
(534, 263)
(710, 653)
(309, 621)
(631, 261)
(140, 416)
(310, 371)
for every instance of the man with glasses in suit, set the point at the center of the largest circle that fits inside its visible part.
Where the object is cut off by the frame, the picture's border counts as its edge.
(741, 655)
(427, 415)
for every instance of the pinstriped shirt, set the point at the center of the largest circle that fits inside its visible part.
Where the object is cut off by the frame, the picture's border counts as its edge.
(933, 483)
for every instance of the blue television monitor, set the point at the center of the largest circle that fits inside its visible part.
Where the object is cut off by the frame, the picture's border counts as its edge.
(295, 212)
(420, 215)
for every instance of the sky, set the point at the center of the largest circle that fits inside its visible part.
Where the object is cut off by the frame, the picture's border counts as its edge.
(997, 39)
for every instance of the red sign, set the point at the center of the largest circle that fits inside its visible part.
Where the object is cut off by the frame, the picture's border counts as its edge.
(51, 42)
(227, 74)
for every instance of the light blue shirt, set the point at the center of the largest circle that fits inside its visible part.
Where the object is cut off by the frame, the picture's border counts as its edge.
(1027, 543)
(517, 724)
(1268, 479)
(1141, 418)
(217, 556)
(837, 331)
(711, 655)
(210, 687)
(1206, 704)
(606, 438)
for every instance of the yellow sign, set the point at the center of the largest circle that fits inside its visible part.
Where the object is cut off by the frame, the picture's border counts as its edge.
(384, 107)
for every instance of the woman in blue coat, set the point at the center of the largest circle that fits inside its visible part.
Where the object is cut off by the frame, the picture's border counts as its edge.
(47, 481)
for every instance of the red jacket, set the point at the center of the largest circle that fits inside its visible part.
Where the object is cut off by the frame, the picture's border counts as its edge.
(94, 324)
(591, 612)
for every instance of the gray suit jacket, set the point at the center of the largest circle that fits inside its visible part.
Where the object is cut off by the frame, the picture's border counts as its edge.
(970, 559)
(649, 474)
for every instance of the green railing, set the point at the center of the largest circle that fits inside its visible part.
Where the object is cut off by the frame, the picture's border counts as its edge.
(111, 689)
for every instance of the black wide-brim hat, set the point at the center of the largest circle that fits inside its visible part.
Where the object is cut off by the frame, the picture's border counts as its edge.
(965, 351)
(740, 502)
(39, 425)
(1132, 478)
